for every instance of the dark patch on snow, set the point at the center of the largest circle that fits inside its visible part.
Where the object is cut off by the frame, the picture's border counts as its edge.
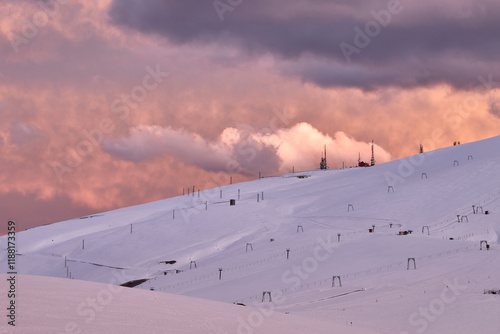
(95, 264)
(492, 292)
(92, 216)
(134, 283)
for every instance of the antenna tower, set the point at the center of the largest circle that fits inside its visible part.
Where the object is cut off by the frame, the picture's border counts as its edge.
(322, 164)
(372, 162)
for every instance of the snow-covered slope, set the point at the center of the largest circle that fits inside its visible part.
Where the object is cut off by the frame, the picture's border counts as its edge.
(54, 305)
(303, 216)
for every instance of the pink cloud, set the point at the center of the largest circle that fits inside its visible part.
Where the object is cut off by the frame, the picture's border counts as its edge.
(216, 113)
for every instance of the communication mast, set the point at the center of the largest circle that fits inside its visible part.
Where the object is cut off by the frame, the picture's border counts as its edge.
(322, 164)
(372, 162)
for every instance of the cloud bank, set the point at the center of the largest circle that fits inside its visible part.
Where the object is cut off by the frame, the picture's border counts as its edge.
(242, 150)
(428, 74)
(398, 43)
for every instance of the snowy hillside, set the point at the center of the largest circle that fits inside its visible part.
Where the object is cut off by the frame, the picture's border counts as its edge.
(131, 311)
(282, 237)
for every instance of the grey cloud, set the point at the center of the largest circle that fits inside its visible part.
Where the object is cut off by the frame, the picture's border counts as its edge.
(235, 151)
(22, 134)
(494, 108)
(439, 40)
(250, 156)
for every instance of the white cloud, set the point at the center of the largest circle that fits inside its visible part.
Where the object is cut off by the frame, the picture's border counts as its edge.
(242, 150)
(302, 146)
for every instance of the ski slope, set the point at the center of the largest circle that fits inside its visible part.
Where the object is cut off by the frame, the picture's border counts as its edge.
(54, 305)
(282, 236)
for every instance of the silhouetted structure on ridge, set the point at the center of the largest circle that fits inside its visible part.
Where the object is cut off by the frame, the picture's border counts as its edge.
(322, 164)
(361, 163)
(372, 161)
(365, 164)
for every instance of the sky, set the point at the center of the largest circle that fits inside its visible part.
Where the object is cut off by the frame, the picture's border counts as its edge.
(112, 103)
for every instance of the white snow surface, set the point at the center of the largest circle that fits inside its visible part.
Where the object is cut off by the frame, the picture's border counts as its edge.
(56, 305)
(432, 194)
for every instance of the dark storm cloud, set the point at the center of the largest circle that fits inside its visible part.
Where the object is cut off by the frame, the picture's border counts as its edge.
(410, 44)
